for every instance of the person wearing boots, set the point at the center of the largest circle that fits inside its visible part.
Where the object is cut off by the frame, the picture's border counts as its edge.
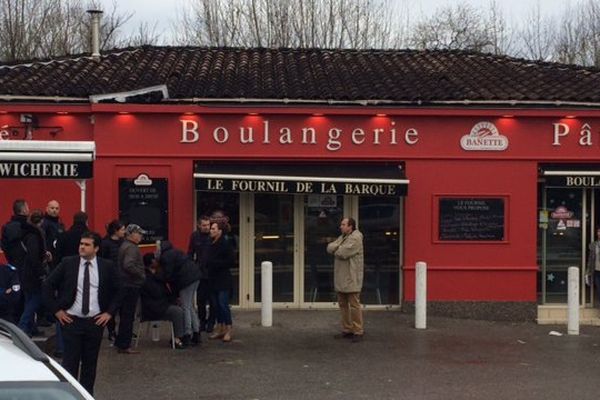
(183, 274)
(219, 262)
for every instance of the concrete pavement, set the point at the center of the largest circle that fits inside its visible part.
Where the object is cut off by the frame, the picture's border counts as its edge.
(298, 358)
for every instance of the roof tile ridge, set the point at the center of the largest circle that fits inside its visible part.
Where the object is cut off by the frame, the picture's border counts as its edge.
(67, 59)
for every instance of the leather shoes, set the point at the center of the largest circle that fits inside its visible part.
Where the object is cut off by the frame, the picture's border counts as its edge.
(128, 351)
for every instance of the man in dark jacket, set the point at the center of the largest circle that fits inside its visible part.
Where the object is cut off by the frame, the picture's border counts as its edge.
(184, 275)
(53, 228)
(131, 269)
(34, 271)
(68, 242)
(12, 245)
(82, 292)
(198, 251)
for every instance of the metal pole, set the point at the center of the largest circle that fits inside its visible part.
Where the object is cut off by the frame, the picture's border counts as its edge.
(266, 297)
(421, 295)
(573, 301)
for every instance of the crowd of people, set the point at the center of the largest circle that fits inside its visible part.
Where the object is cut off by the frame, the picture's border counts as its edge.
(83, 283)
(80, 282)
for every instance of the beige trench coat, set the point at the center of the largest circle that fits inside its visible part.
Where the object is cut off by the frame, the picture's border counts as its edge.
(348, 265)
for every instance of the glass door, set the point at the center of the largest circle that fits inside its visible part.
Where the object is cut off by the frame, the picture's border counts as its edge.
(562, 225)
(274, 241)
(322, 216)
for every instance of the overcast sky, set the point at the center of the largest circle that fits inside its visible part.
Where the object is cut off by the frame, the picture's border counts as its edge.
(164, 13)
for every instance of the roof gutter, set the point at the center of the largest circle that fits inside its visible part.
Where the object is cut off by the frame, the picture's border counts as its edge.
(286, 101)
(56, 99)
(512, 103)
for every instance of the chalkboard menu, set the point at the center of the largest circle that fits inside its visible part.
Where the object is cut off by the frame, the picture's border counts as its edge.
(144, 201)
(471, 219)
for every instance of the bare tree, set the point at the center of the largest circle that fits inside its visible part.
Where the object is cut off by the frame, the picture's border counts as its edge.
(288, 23)
(454, 27)
(538, 35)
(48, 28)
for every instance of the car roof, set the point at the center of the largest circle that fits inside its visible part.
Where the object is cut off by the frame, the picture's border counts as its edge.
(17, 365)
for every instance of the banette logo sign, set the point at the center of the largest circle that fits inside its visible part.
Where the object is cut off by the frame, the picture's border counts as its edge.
(484, 136)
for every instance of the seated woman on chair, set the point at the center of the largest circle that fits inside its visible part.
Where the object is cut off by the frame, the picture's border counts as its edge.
(156, 304)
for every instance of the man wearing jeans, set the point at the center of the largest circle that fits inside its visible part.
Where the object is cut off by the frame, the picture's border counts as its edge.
(348, 271)
(594, 262)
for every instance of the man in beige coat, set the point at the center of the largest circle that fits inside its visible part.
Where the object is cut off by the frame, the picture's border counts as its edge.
(348, 270)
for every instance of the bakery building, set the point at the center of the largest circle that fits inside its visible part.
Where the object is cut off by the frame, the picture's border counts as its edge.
(485, 167)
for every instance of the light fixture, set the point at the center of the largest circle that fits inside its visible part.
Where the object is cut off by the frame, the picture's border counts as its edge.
(62, 112)
(123, 112)
(381, 115)
(253, 113)
(508, 116)
(570, 116)
(317, 114)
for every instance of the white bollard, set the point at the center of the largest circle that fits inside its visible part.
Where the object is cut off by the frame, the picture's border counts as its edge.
(573, 301)
(266, 294)
(421, 295)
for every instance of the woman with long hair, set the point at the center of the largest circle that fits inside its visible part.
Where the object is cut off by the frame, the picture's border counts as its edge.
(220, 260)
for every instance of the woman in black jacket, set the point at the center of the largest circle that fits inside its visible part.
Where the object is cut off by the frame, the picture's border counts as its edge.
(220, 260)
(34, 270)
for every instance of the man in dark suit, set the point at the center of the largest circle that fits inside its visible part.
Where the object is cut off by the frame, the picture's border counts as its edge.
(83, 293)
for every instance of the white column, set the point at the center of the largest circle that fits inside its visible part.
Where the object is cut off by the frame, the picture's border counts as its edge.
(82, 186)
(573, 301)
(266, 296)
(421, 295)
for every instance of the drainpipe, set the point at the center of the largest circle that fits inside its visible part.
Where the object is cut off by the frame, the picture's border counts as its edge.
(95, 27)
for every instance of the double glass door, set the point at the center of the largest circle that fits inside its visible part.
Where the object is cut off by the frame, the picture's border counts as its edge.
(292, 231)
(566, 222)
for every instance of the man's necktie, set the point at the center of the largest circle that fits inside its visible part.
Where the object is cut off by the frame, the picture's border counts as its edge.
(85, 303)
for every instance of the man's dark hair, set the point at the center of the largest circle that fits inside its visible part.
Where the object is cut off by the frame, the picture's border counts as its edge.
(352, 223)
(203, 218)
(36, 217)
(19, 206)
(92, 235)
(80, 217)
(113, 226)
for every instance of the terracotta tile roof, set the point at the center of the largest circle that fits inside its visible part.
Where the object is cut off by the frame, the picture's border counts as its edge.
(305, 74)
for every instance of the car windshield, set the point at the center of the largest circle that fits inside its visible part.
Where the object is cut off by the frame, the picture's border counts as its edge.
(38, 391)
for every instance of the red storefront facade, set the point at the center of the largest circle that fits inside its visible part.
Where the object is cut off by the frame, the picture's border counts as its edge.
(477, 207)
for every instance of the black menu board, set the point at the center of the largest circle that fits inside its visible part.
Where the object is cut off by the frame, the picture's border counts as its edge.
(144, 201)
(471, 219)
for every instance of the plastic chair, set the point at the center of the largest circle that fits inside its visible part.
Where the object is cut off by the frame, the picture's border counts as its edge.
(149, 324)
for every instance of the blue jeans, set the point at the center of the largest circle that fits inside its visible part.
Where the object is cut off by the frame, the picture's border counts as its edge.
(190, 316)
(33, 302)
(223, 311)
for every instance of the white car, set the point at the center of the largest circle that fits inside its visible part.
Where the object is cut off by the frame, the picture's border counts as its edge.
(27, 373)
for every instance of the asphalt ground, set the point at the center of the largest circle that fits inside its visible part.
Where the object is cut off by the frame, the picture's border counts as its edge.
(298, 358)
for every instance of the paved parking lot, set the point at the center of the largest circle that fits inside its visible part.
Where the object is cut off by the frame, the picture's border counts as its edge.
(298, 358)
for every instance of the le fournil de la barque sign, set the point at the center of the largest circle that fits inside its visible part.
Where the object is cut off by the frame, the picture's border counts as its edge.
(290, 186)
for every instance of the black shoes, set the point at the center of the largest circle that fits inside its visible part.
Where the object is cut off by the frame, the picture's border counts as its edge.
(112, 336)
(349, 335)
(343, 335)
(357, 338)
(196, 339)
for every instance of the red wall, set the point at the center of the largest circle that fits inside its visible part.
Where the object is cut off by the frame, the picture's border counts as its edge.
(150, 141)
(472, 270)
